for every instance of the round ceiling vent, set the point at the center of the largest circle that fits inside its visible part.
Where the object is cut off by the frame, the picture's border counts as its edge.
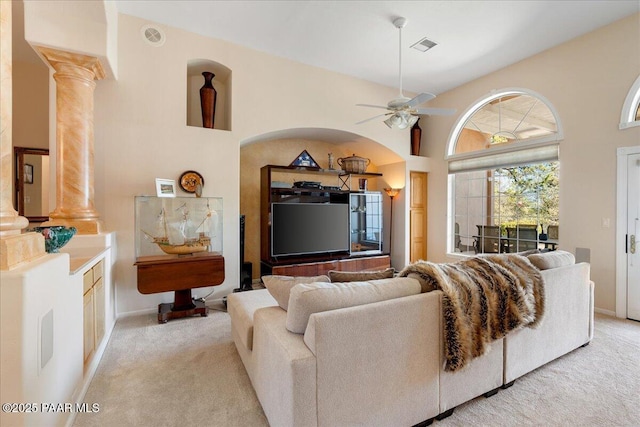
(153, 35)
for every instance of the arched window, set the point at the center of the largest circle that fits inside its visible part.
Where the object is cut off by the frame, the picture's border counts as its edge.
(503, 175)
(631, 108)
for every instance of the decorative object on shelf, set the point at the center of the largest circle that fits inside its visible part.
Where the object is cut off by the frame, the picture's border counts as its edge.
(391, 192)
(416, 136)
(199, 190)
(172, 237)
(165, 187)
(208, 96)
(55, 236)
(331, 165)
(190, 180)
(354, 164)
(304, 159)
(362, 184)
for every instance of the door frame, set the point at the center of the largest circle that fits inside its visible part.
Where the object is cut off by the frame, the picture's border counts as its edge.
(621, 229)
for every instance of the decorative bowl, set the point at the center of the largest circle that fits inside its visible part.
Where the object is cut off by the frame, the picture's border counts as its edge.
(55, 236)
(354, 164)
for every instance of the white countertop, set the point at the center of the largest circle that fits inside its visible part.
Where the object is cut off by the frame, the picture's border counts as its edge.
(81, 258)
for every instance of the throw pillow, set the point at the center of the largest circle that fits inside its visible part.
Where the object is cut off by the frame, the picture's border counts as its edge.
(360, 276)
(309, 298)
(280, 286)
(553, 259)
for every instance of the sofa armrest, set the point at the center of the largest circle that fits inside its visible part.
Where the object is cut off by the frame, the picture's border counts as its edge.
(567, 323)
(284, 371)
(378, 364)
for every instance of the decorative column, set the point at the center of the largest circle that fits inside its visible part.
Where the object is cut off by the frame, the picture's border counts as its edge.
(75, 77)
(15, 248)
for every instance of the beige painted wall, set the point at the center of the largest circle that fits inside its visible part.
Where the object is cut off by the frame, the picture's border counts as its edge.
(586, 80)
(140, 132)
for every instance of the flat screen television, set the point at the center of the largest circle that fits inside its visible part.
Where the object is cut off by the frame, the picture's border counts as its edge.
(309, 228)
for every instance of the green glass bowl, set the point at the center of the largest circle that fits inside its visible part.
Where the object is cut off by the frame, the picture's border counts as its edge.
(55, 236)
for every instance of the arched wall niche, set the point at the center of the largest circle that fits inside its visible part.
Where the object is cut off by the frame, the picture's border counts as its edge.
(281, 147)
(222, 82)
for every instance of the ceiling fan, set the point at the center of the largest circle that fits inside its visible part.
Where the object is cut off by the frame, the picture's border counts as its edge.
(403, 111)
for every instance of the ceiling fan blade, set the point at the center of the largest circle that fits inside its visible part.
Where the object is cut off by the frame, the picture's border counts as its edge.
(373, 118)
(436, 111)
(373, 106)
(420, 99)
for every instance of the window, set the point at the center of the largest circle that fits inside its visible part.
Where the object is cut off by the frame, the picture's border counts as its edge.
(630, 115)
(504, 175)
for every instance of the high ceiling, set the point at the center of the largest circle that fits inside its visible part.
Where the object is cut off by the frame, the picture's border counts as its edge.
(358, 38)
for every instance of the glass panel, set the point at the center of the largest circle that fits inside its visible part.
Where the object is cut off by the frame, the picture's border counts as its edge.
(504, 120)
(366, 222)
(507, 209)
(178, 225)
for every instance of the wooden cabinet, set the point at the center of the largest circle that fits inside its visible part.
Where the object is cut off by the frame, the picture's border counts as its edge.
(334, 188)
(93, 308)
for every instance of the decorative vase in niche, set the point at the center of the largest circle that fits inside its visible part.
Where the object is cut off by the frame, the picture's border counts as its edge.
(416, 135)
(208, 100)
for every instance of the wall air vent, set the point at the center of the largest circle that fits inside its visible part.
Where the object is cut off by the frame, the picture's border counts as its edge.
(153, 35)
(424, 44)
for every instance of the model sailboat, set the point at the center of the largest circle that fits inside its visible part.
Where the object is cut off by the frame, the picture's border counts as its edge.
(174, 238)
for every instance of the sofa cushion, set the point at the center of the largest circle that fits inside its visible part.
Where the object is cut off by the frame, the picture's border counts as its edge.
(241, 307)
(280, 286)
(553, 259)
(306, 299)
(360, 276)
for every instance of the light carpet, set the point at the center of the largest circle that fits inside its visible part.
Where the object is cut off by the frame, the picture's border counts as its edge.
(187, 372)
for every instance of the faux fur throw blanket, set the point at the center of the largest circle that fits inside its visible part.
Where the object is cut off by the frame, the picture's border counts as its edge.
(484, 298)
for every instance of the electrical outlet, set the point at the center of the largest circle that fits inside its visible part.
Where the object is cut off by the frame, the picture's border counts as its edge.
(606, 222)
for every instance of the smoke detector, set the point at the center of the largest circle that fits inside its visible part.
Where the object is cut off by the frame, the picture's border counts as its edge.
(153, 35)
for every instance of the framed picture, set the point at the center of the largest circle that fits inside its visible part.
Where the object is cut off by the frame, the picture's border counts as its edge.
(165, 187)
(28, 173)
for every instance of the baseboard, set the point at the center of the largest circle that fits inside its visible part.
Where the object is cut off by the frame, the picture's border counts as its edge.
(136, 313)
(603, 311)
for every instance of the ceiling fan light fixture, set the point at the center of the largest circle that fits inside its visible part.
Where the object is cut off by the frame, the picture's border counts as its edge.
(401, 120)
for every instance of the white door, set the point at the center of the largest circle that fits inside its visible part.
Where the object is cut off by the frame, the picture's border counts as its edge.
(633, 236)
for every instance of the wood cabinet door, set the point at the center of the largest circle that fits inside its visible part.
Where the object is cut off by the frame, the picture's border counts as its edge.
(418, 217)
(88, 324)
(99, 302)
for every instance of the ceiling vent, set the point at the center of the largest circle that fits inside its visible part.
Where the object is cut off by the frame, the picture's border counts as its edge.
(153, 35)
(424, 45)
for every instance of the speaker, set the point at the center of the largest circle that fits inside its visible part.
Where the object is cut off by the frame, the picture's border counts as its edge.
(246, 269)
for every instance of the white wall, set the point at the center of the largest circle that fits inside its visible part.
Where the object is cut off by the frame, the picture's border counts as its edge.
(587, 80)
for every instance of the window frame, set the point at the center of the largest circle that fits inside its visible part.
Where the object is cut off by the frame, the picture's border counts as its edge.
(529, 144)
(630, 107)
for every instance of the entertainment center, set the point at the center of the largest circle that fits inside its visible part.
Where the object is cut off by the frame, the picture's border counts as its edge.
(309, 227)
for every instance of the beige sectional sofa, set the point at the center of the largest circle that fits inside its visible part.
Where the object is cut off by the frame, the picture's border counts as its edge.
(361, 354)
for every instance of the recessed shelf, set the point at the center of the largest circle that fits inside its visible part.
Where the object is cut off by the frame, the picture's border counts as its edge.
(222, 84)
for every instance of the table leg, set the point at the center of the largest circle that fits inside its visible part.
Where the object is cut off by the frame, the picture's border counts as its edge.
(183, 306)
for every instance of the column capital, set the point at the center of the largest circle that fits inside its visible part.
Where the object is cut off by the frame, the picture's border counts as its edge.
(59, 58)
